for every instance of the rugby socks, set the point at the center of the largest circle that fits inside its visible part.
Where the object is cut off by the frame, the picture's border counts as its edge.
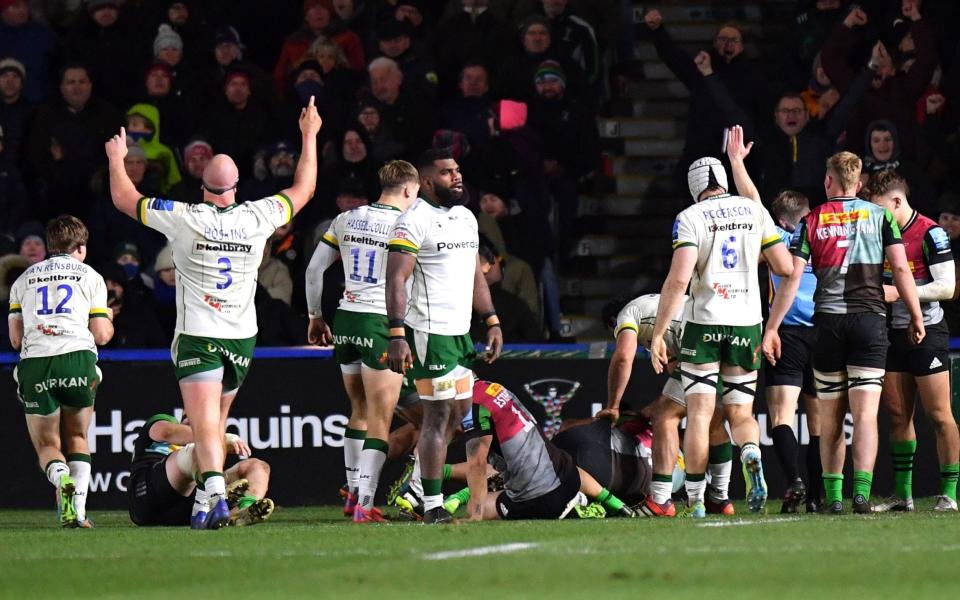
(720, 466)
(80, 471)
(814, 469)
(199, 502)
(696, 484)
(862, 482)
(352, 449)
(786, 447)
(215, 486)
(661, 488)
(948, 480)
(463, 495)
(447, 472)
(246, 501)
(833, 486)
(432, 493)
(609, 501)
(55, 470)
(371, 462)
(903, 453)
(415, 483)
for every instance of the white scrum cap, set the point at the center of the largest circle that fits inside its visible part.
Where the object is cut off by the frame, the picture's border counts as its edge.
(704, 174)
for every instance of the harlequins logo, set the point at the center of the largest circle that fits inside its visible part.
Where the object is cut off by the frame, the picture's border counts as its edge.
(552, 394)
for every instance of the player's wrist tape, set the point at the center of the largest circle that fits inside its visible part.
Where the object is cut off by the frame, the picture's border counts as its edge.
(396, 333)
(395, 323)
(491, 319)
(316, 316)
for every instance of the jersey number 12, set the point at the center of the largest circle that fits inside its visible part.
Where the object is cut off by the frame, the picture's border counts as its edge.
(44, 300)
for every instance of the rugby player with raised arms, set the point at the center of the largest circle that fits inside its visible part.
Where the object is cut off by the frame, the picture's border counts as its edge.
(217, 249)
(58, 317)
(435, 243)
(718, 242)
(360, 336)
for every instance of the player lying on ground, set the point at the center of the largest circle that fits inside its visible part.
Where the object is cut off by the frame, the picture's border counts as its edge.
(163, 489)
(632, 324)
(540, 480)
(360, 334)
(58, 316)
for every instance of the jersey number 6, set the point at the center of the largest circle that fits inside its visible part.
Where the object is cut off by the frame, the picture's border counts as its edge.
(729, 253)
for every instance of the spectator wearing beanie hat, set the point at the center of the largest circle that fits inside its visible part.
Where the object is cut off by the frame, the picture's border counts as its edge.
(15, 115)
(168, 49)
(228, 56)
(176, 111)
(536, 46)
(32, 44)
(104, 39)
(196, 156)
(319, 19)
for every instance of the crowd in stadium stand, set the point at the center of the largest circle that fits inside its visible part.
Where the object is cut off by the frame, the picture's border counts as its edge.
(512, 87)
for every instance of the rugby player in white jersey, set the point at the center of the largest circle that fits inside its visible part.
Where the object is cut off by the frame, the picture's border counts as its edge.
(360, 335)
(58, 317)
(718, 242)
(435, 243)
(217, 248)
(632, 324)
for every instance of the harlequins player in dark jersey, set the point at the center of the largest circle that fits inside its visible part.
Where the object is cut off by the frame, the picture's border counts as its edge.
(923, 367)
(540, 480)
(162, 488)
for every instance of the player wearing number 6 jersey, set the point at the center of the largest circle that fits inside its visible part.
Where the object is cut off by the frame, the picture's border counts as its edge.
(718, 241)
(58, 316)
(217, 247)
(360, 336)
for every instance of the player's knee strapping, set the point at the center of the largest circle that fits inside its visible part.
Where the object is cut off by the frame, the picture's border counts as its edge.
(831, 385)
(184, 460)
(739, 389)
(863, 378)
(699, 382)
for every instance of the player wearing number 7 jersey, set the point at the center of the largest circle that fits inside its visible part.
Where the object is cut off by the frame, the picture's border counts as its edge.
(718, 242)
(217, 247)
(360, 332)
(58, 316)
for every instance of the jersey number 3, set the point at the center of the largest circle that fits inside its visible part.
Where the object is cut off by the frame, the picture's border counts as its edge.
(44, 300)
(226, 265)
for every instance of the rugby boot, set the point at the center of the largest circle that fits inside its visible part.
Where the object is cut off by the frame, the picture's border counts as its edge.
(349, 501)
(894, 504)
(696, 511)
(437, 516)
(401, 485)
(199, 520)
(361, 515)
(753, 476)
(258, 512)
(945, 504)
(218, 516)
(835, 508)
(649, 508)
(814, 506)
(794, 496)
(409, 507)
(236, 491)
(861, 505)
(66, 511)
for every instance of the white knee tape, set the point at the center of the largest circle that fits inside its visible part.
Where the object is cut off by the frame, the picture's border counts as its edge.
(862, 378)
(184, 459)
(698, 382)
(830, 385)
(739, 389)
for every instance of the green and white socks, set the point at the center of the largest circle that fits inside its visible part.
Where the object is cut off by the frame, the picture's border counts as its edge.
(372, 457)
(352, 450)
(55, 471)
(215, 486)
(79, 465)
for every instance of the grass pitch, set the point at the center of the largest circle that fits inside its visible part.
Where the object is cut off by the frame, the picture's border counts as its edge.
(315, 553)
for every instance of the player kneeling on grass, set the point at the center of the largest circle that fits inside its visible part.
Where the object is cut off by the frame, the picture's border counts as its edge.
(540, 480)
(163, 489)
(53, 321)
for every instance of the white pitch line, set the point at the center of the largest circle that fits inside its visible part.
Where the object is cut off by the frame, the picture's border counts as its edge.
(740, 522)
(480, 551)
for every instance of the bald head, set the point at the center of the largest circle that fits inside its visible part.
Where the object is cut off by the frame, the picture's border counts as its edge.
(221, 175)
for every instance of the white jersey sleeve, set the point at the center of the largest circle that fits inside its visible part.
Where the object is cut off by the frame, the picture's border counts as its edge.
(409, 231)
(640, 316)
(272, 212)
(163, 215)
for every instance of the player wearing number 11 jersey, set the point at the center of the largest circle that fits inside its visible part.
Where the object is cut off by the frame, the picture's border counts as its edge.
(360, 333)
(58, 315)
(217, 247)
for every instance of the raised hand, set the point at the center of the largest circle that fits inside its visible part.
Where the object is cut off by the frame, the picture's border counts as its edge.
(856, 18)
(736, 150)
(310, 121)
(704, 63)
(116, 146)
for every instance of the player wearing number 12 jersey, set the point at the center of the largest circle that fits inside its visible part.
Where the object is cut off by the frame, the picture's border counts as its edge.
(360, 335)
(58, 315)
(718, 242)
(217, 247)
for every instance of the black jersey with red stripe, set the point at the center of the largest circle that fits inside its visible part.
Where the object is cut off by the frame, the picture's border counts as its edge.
(926, 244)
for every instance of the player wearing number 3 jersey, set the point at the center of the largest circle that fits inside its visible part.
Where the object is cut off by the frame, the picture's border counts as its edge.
(718, 242)
(58, 315)
(360, 332)
(217, 247)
